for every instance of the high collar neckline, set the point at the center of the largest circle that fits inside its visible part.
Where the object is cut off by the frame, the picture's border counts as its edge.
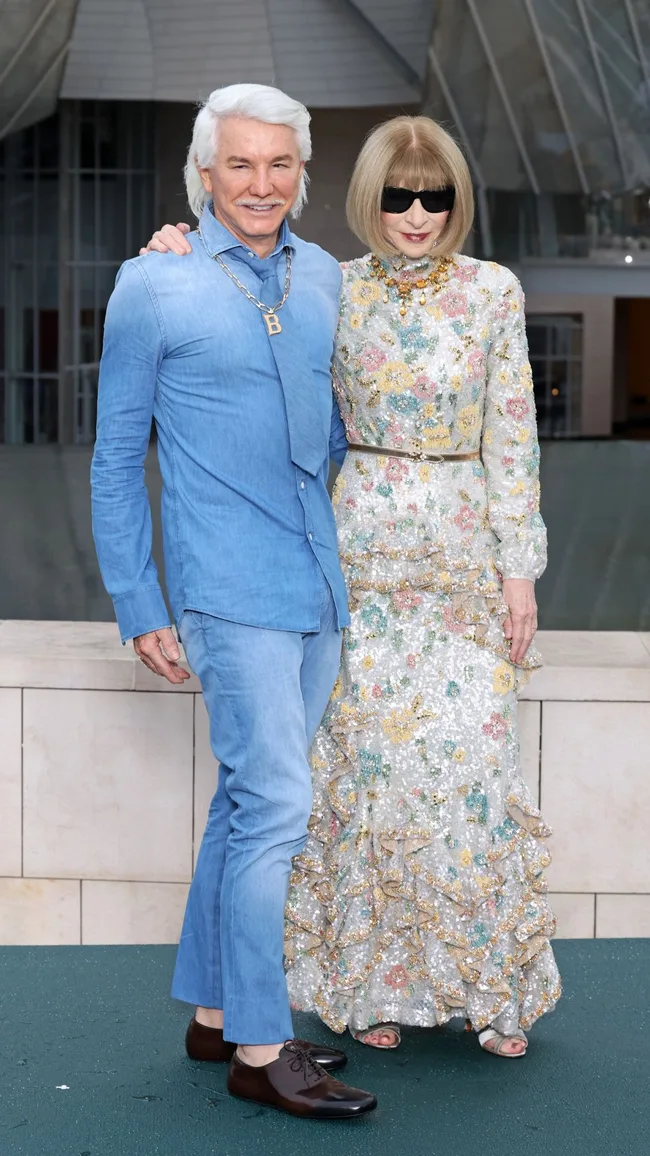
(411, 264)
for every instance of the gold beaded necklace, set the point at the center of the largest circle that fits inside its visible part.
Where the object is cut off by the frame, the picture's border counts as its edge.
(434, 280)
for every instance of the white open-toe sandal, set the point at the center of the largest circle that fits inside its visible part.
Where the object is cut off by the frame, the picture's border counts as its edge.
(488, 1034)
(362, 1036)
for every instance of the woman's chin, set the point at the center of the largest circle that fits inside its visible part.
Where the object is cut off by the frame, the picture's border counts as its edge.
(415, 249)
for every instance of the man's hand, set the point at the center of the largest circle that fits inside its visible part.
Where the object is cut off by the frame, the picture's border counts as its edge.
(521, 623)
(169, 239)
(159, 651)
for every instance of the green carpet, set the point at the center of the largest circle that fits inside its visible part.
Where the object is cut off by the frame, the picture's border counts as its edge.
(100, 1021)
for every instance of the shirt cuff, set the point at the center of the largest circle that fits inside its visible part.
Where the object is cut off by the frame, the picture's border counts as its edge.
(141, 611)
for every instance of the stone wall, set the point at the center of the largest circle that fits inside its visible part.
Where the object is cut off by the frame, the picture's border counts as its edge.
(106, 776)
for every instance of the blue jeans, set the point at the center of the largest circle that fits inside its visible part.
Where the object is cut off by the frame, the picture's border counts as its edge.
(265, 692)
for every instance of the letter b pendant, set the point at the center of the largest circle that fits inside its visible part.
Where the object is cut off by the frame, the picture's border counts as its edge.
(272, 323)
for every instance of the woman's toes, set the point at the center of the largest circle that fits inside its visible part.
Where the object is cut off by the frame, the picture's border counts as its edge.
(381, 1039)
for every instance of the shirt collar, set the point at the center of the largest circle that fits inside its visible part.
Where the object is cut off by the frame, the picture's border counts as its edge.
(218, 239)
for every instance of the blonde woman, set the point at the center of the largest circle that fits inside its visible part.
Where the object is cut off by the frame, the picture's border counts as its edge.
(420, 895)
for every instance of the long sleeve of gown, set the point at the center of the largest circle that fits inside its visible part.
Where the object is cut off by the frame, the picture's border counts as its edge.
(510, 449)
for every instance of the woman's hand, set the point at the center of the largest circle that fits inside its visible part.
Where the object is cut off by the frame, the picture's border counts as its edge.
(521, 623)
(169, 239)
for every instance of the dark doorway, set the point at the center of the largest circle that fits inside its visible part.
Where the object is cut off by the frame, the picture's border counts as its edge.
(632, 368)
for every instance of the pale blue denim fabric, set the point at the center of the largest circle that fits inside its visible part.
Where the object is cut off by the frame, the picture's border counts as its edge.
(246, 426)
(265, 692)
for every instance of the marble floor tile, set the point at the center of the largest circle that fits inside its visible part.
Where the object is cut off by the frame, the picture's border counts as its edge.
(589, 648)
(622, 916)
(529, 739)
(39, 912)
(589, 684)
(107, 785)
(10, 782)
(595, 795)
(65, 655)
(132, 912)
(574, 914)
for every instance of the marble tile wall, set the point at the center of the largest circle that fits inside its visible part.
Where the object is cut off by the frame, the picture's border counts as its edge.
(106, 779)
(10, 781)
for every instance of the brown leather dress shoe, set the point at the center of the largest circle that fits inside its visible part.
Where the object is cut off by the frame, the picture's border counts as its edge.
(294, 1083)
(208, 1044)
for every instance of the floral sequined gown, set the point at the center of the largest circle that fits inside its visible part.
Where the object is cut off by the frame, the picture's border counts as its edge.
(420, 894)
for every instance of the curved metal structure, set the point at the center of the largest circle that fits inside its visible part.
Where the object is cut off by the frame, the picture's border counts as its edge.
(552, 102)
(36, 35)
(553, 96)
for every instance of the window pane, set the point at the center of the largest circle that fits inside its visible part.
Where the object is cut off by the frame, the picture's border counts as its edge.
(575, 341)
(47, 416)
(536, 338)
(111, 230)
(86, 378)
(85, 223)
(20, 404)
(141, 222)
(87, 142)
(107, 142)
(110, 216)
(559, 339)
(48, 328)
(47, 144)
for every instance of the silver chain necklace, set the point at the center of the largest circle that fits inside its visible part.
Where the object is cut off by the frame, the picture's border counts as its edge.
(269, 313)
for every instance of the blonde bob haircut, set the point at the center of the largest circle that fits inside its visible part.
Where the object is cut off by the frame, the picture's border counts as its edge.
(411, 152)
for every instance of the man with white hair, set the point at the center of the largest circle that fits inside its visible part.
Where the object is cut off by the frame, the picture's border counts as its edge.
(229, 350)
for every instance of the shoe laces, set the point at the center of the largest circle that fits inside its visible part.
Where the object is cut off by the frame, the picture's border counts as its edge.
(301, 1061)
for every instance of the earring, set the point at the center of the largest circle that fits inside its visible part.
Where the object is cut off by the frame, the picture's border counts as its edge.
(435, 242)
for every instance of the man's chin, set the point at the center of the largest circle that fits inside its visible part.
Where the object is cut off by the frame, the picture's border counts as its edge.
(261, 224)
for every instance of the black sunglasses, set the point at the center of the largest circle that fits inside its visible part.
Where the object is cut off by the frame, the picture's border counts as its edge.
(394, 200)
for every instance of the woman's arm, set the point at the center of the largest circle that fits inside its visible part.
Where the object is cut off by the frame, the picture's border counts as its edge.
(510, 452)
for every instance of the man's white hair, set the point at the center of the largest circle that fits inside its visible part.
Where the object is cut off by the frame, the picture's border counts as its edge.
(257, 102)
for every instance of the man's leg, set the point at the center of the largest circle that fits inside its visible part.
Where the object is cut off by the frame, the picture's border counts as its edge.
(251, 683)
(197, 976)
(260, 738)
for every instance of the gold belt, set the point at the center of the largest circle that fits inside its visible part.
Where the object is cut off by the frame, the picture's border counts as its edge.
(415, 455)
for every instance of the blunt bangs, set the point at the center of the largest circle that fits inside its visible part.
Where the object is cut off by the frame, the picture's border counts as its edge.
(413, 152)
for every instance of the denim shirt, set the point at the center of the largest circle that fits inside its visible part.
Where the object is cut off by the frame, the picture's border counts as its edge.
(246, 426)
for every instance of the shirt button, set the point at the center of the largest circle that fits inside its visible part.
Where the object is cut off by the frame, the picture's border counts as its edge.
(311, 537)
(302, 485)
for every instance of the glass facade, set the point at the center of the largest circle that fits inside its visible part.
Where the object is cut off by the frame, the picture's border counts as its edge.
(551, 101)
(29, 258)
(555, 345)
(77, 197)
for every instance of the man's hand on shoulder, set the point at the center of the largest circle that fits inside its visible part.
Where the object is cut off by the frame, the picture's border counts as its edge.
(169, 239)
(159, 651)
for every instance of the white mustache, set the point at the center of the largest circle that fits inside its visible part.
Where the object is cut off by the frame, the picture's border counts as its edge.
(259, 204)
